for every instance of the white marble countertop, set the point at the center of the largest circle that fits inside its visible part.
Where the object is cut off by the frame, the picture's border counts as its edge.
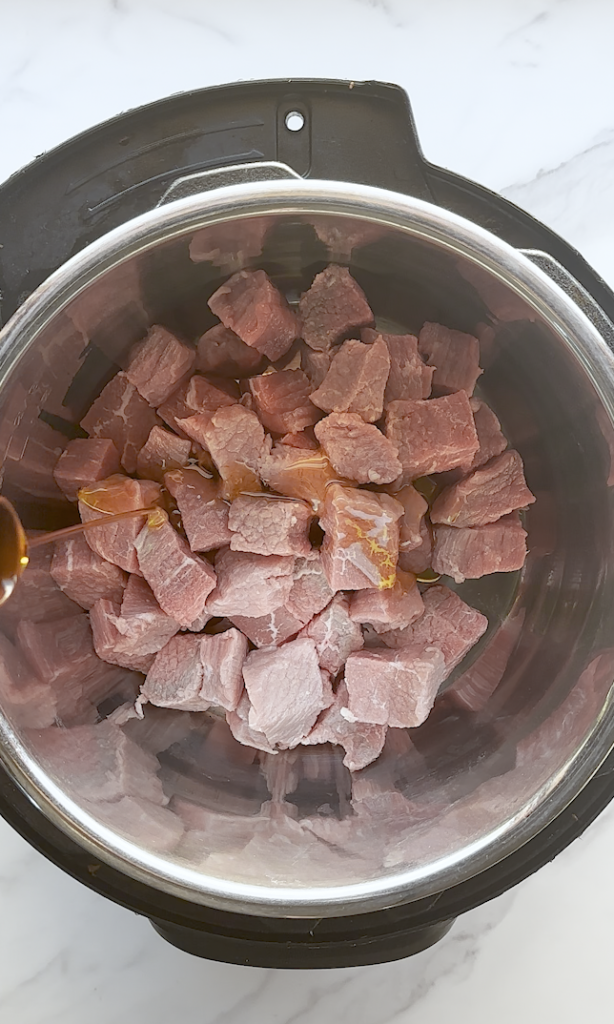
(517, 94)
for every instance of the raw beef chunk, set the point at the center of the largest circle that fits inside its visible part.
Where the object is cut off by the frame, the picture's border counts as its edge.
(269, 630)
(485, 495)
(251, 306)
(362, 742)
(180, 580)
(298, 473)
(132, 633)
(476, 551)
(396, 688)
(115, 542)
(356, 380)
(310, 590)
(158, 364)
(448, 624)
(120, 415)
(235, 438)
(432, 436)
(409, 376)
(418, 559)
(193, 673)
(270, 526)
(333, 307)
(410, 526)
(238, 723)
(222, 352)
(302, 440)
(316, 365)
(357, 450)
(230, 241)
(455, 356)
(84, 461)
(335, 634)
(204, 514)
(282, 401)
(83, 575)
(287, 691)
(388, 609)
(490, 435)
(248, 583)
(361, 543)
(196, 395)
(162, 452)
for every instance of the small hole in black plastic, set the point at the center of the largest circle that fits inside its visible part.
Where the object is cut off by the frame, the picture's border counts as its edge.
(294, 121)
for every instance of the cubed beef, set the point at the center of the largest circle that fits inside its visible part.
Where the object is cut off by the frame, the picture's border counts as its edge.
(485, 495)
(235, 438)
(334, 634)
(333, 307)
(248, 583)
(270, 525)
(269, 630)
(432, 436)
(204, 514)
(221, 351)
(162, 452)
(315, 364)
(100, 762)
(388, 609)
(282, 401)
(121, 415)
(196, 395)
(180, 580)
(357, 450)
(414, 510)
(37, 596)
(238, 723)
(356, 380)
(362, 742)
(132, 633)
(231, 241)
(287, 691)
(418, 559)
(115, 541)
(479, 550)
(455, 356)
(193, 673)
(448, 624)
(409, 376)
(490, 435)
(27, 701)
(158, 364)
(301, 439)
(83, 575)
(310, 590)
(396, 688)
(251, 306)
(298, 473)
(361, 543)
(84, 461)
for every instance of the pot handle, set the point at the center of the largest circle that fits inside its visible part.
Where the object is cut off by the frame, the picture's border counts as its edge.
(568, 283)
(219, 177)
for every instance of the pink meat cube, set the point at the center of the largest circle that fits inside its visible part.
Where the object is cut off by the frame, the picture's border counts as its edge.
(197, 395)
(388, 609)
(485, 495)
(362, 743)
(158, 364)
(193, 673)
(235, 438)
(418, 559)
(269, 630)
(222, 352)
(396, 688)
(287, 691)
(269, 525)
(180, 580)
(83, 575)
(115, 541)
(162, 452)
(455, 356)
(37, 596)
(479, 550)
(356, 380)
(315, 364)
(298, 473)
(302, 440)
(204, 514)
(335, 634)
(30, 703)
(120, 415)
(434, 435)
(358, 450)
(238, 723)
(230, 242)
(84, 461)
(361, 543)
(333, 307)
(131, 634)
(409, 376)
(448, 624)
(248, 583)
(251, 306)
(490, 435)
(415, 508)
(282, 401)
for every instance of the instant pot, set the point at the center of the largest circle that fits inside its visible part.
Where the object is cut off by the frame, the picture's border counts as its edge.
(287, 860)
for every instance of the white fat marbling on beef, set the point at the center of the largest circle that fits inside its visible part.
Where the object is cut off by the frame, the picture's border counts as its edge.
(83, 575)
(180, 580)
(38, 596)
(334, 634)
(204, 513)
(162, 451)
(121, 415)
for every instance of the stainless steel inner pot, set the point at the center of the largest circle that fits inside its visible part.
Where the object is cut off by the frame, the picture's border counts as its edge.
(525, 721)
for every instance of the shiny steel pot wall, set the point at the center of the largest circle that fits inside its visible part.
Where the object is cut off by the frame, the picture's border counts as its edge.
(525, 721)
